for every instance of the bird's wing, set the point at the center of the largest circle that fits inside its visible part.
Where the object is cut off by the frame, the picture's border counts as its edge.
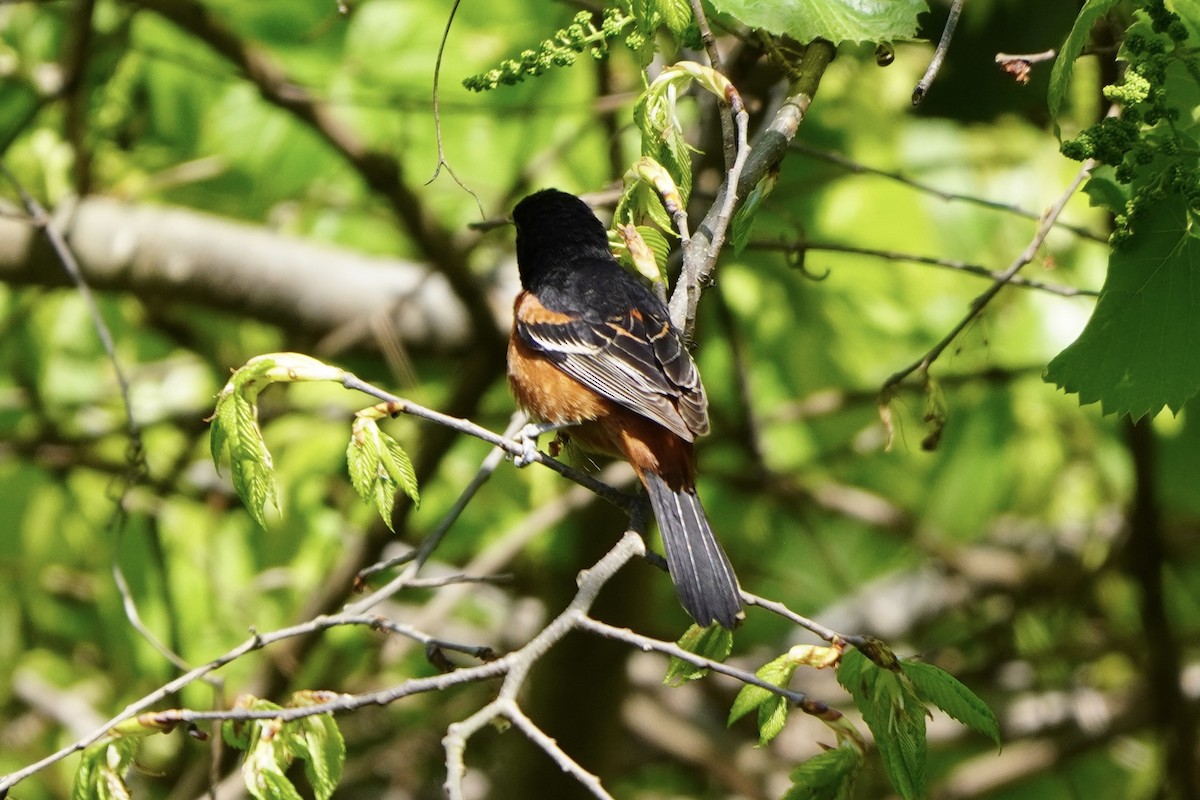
(634, 358)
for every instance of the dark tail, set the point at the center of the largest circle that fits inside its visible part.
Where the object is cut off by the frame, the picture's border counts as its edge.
(703, 577)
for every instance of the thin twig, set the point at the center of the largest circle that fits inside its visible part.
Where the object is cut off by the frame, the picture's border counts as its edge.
(437, 116)
(808, 705)
(769, 148)
(828, 634)
(728, 144)
(255, 642)
(66, 257)
(863, 169)
(800, 248)
(980, 302)
(591, 581)
(939, 55)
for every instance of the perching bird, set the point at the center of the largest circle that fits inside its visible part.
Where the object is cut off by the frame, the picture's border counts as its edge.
(592, 347)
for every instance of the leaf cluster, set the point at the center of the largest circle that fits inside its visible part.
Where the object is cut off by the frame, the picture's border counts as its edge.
(1152, 146)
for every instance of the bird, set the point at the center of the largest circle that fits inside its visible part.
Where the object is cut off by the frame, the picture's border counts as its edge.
(594, 350)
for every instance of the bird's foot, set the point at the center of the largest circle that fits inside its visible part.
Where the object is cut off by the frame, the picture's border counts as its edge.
(528, 437)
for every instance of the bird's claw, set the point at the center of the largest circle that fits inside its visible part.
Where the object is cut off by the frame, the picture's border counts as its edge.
(527, 437)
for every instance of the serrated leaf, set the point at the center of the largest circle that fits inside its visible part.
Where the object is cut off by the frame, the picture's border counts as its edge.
(829, 776)
(273, 785)
(378, 467)
(772, 716)
(1064, 63)
(714, 643)
(101, 772)
(749, 697)
(1141, 348)
(267, 760)
(676, 15)
(835, 20)
(676, 156)
(895, 716)
(777, 672)
(850, 671)
(658, 245)
(400, 467)
(940, 688)
(324, 752)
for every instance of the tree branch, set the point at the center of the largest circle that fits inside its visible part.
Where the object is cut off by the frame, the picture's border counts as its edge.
(980, 302)
(172, 254)
(769, 148)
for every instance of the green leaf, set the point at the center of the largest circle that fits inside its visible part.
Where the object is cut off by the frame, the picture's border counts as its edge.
(324, 753)
(895, 716)
(1064, 64)
(940, 688)
(676, 15)
(777, 672)
(829, 776)
(235, 423)
(270, 754)
(101, 772)
(714, 643)
(772, 716)
(658, 245)
(378, 467)
(1104, 192)
(1141, 348)
(273, 785)
(835, 20)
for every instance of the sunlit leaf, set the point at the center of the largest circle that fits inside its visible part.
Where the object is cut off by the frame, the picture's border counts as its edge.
(943, 690)
(834, 20)
(714, 643)
(1141, 348)
(829, 776)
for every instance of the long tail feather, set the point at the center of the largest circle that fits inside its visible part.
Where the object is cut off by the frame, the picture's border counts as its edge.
(700, 570)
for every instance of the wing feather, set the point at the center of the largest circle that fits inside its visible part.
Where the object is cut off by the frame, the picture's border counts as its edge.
(634, 358)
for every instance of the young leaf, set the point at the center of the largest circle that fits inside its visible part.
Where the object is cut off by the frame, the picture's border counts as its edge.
(895, 716)
(777, 672)
(235, 423)
(772, 716)
(829, 776)
(324, 753)
(743, 221)
(271, 752)
(101, 772)
(379, 466)
(943, 690)
(1064, 64)
(676, 15)
(714, 643)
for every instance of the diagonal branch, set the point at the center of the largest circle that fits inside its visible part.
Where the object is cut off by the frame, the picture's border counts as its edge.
(981, 302)
(381, 171)
(769, 148)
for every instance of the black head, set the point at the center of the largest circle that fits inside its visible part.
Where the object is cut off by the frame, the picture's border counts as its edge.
(555, 230)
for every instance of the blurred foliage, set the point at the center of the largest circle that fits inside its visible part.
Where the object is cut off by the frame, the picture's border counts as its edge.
(1005, 556)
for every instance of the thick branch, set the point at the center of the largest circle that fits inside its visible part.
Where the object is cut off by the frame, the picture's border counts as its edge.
(768, 150)
(176, 254)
